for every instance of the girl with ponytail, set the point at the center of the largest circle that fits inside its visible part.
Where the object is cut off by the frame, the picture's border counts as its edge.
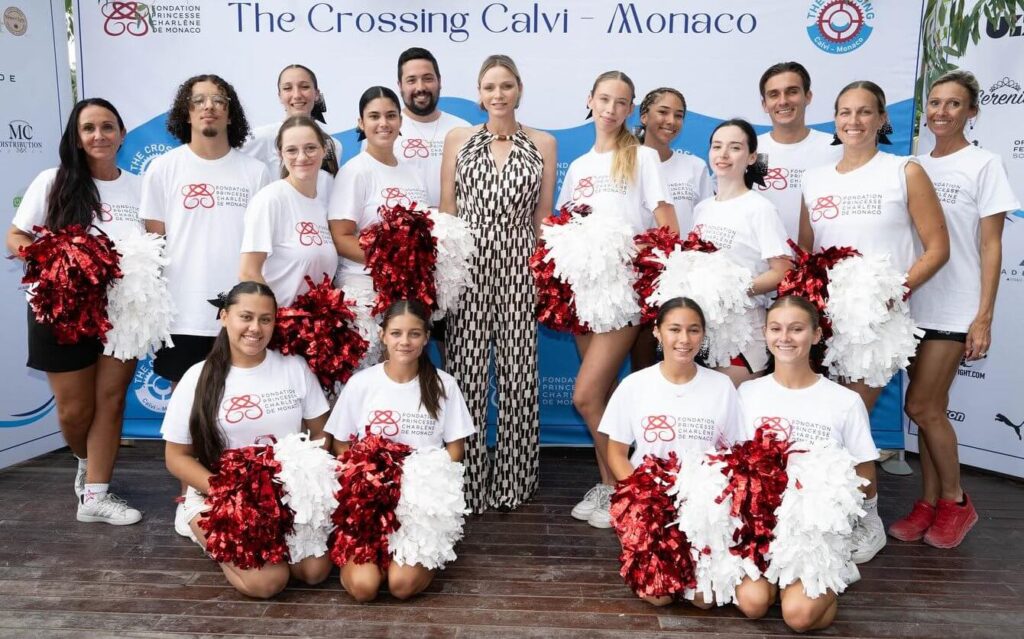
(617, 177)
(225, 402)
(405, 399)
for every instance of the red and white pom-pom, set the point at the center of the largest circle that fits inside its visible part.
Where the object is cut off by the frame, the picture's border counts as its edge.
(138, 304)
(821, 503)
(873, 335)
(431, 511)
(708, 523)
(309, 477)
(809, 277)
(400, 257)
(69, 271)
(655, 245)
(320, 326)
(594, 255)
(556, 307)
(247, 521)
(371, 485)
(655, 555)
(719, 286)
(454, 247)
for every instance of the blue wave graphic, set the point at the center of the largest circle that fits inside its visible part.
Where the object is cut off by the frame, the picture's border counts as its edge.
(29, 417)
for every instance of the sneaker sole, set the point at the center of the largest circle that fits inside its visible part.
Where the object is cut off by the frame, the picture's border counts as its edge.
(919, 537)
(866, 558)
(599, 525)
(956, 542)
(580, 515)
(92, 519)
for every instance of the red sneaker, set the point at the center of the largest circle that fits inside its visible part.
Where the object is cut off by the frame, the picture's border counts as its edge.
(912, 527)
(952, 521)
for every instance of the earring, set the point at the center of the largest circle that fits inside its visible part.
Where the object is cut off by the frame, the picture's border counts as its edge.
(971, 123)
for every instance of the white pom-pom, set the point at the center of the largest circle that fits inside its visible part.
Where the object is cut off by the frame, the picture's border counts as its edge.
(821, 503)
(138, 304)
(719, 286)
(873, 334)
(431, 510)
(708, 526)
(594, 254)
(309, 477)
(455, 246)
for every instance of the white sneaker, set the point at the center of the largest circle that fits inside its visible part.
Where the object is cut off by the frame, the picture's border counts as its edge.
(181, 523)
(80, 481)
(109, 509)
(585, 508)
(602, 515)
(868, 538)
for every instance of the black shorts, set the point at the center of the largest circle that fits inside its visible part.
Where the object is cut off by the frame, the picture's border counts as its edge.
(439, 329)
(948, 336)
(188, 350)
(45, 354)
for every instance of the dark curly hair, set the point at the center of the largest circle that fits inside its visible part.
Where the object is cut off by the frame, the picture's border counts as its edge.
(178, 118)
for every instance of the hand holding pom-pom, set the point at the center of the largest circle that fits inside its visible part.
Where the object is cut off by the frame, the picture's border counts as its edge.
(401, 257)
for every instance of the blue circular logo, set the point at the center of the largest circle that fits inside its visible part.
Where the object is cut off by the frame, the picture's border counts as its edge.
(840, 26)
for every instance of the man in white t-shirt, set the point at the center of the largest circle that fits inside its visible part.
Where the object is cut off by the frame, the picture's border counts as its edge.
(424, 126)
(791, 147)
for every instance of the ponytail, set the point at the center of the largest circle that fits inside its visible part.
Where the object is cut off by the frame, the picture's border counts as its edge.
(624, 156)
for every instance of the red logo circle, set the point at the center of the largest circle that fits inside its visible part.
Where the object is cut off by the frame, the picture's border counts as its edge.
(584, 188)
(198, 195)
(309, 235)
(415, 148)
(105, 214)
(658, 427)
(826, 207)
(776, 178)
(393, 197)
(125, 17)
(383, 422)
(242, 407)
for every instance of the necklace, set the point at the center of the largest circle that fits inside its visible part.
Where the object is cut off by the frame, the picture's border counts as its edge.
(502, 137)
(433, 134)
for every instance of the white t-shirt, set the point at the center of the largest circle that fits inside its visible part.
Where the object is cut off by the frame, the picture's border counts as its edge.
(421, 145)
(119, 204)
(821, 411)
(262, 145)
(659, 417)
(786, 166)
(364, 185)
(372, 400)
(202, 205)
(747, 228)
(865, 208)
(589, 181)
(971, 184)
(688, 183)
(269, 399)
(292, 230)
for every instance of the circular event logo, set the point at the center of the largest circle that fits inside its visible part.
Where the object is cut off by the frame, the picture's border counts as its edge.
(152, 391)
(15, 21)
(840, 26)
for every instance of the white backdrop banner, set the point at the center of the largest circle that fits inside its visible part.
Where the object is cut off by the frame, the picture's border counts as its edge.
(35, 98)
(136, 54)
(986, 405)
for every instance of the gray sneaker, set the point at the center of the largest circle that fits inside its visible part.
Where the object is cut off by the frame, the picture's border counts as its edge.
(868, 538)
(79, 480)
(109, 509)
(585, 508)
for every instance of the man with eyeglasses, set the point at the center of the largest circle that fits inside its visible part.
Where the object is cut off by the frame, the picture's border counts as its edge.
(196, 196)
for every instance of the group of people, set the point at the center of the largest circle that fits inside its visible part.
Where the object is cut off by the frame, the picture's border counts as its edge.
(254, 212)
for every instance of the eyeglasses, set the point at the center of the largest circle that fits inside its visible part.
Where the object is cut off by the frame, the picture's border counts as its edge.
(310, 150)
(218, 101)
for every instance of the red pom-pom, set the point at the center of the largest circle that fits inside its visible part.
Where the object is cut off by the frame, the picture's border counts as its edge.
(71, 270)
(655, 556)
(693, 242)
(809, 277)
(247, 521)
(648, 269)
(401, 256)
(320, 326)
(371, 485)
(556, 307)
(757, 478)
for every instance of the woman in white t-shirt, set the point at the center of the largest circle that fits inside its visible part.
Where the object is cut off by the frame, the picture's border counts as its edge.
(744, 225)
(873, 201)
(618, 176)
(89, 388)
(674, 406)
(662, 112)
(225, 402)
(286, 237)
(956, 306)
(299, 94)
(807, 407)
(409, 401)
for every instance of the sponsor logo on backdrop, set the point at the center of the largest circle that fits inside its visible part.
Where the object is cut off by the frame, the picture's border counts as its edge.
(18, 420)
(141, 159)
(967, 369)
(1015, 426)
(840, 26)
(20, 136)
(15, 21)
(7, 77)
(152, 391)
(137, 19)
(1003, 92)
(1014, 274)
(1012, 26)
(956, 415)
(556, 390)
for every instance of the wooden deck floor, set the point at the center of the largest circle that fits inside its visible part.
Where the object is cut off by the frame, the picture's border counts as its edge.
(532, 573)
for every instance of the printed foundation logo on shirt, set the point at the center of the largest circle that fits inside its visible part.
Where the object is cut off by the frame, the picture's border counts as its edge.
(682, 191)
(584, 188)
(415, 148)
(947, 191)
(309, 234)
(778, 425)
(196, 195)
(658, 428)
(825, 208)
(720, 236)
(777, 179)
(394, 196)
(242, 407)
(384, 422)
(105, 214)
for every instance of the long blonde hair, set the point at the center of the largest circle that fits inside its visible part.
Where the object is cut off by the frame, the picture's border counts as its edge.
(624, 155)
